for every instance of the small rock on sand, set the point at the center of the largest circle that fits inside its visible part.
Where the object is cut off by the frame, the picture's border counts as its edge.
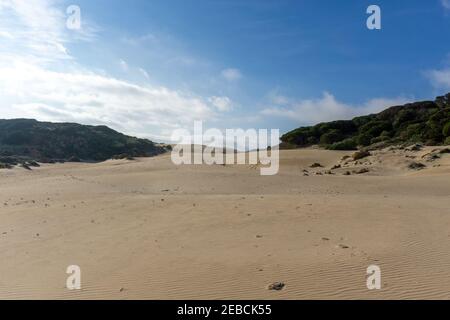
(361, 154)
(415, 147)
(277, 286)
(416, 166)
(316, 165)
(362, 170)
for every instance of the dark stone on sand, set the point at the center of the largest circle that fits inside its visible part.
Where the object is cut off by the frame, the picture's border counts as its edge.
(33, 163)
(362, 170)
(415, 147)
(316, 165)
(25, 166)
(361, 154)
(416, 166)
(277, 286)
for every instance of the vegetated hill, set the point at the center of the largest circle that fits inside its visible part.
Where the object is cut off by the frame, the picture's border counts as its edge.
(46, 141)
(426, 122)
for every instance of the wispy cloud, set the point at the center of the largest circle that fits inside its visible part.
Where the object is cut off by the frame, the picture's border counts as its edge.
(144, 73)
(162, 48)
(91, 98)
(440, 79)
(33, 84)
(221, 103)
(276, 98)
(38, 28)
(446, 4)
(6, 34)
(327, 108)
(138, 40)
(34, 26)
(231, 74)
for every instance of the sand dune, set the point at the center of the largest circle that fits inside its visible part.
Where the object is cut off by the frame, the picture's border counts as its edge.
(147, 229)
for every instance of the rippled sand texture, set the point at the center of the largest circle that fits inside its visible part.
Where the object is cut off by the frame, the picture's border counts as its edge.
(147, 229)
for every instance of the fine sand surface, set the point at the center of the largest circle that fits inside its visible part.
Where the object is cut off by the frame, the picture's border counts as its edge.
(148, 229)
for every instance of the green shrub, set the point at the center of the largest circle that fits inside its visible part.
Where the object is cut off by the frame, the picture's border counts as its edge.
(421, 122)
(5, 166)
(447, 141)
(364, 139)
(414, 129)
(45, 140)
(331, 137)
(377, 140)
(446, 130)
(374, 128)
(403, 116)
(312, 140)
(347, 144)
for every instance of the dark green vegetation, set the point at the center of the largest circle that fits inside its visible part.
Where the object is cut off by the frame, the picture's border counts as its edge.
(23, 140)
(426, 122)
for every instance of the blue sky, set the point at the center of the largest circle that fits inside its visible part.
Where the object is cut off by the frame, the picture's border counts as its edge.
(149, 67)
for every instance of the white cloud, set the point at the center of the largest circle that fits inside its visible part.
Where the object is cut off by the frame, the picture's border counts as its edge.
(6, 34)
(231, 74)
(276, 98)
(446, 4)
(135, 41)
(90, 98)
(162, 48)
(40, 79)
(221, 103)
(144, 73)
(327, 108)
(38, 28)
(440, 79)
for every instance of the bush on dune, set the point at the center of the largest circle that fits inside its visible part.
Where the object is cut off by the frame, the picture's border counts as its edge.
(46, 142)
(446, 130)
(426, 122)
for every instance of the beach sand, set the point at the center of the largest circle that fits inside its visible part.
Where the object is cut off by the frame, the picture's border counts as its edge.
(147, 229)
